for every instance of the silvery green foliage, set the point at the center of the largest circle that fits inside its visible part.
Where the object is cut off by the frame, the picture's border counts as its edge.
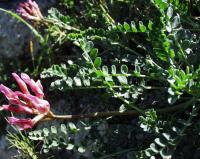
(167, 139)
(75, 138)
(141, 55)
(128, 57)
(65, 136)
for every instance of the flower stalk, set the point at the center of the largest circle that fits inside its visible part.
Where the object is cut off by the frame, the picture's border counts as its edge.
(132, 113)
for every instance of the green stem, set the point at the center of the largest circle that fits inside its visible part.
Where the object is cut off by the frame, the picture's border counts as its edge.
(107, 15)
(114, 87)
(126, 48)
(117, 153)
(116, 43)
(177, 140)
(129, 104)
(35, 32)
(182, 53)
(65, 26)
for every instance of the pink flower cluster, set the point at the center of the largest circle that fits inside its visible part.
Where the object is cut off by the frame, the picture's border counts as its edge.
(24, 102)
(30, 10)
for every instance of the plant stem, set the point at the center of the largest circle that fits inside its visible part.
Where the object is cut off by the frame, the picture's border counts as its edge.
(65, 26)
(129, 104)
(117, 153)
(133, 113)
(126, 48)
(115, 87)
(106, 14)
(117, 43)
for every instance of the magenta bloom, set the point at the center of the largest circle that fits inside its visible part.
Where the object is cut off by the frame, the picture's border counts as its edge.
(21, 123)
(30, 10)
(24, 124)
(17, 109)
(25, 102)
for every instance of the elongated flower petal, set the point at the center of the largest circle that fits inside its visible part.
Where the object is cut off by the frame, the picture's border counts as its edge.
(7, 91)
(21, 83)
(21, 123)
(39, 85)
(17, 109)
(35, 87)
(41, 105)
(9, 94)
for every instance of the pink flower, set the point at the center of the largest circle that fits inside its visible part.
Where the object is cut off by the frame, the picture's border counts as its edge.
(24, 124)
(10, 95)
(34, 102)
(21, 83)
(36, 87)
(21, 123)
(17, 109)
(30, 10)
(25, 102)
